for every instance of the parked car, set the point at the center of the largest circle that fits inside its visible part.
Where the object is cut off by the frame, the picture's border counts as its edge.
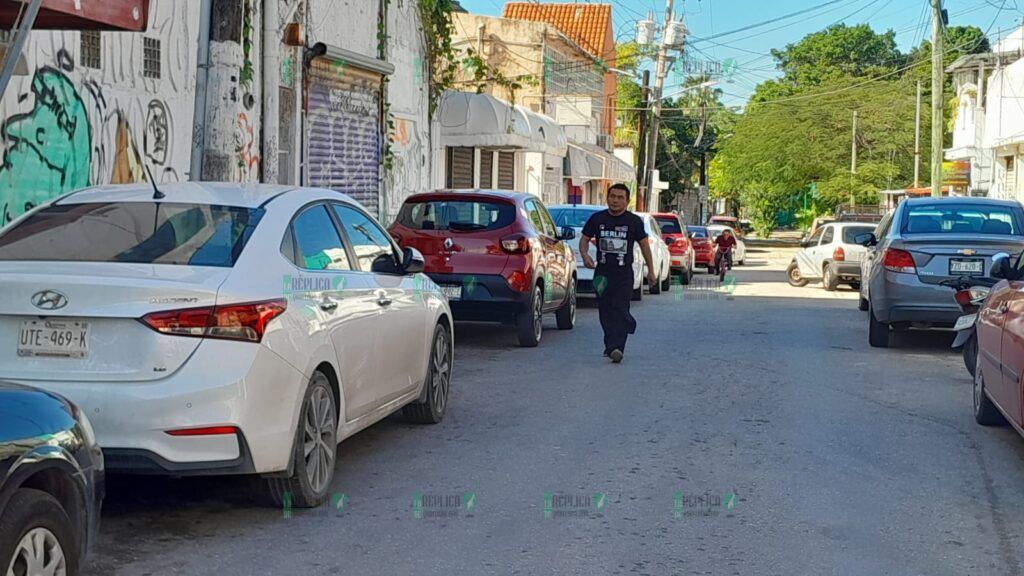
(673, 231)
(575, 216)
(740, 257)
(923, 243)
(816, 225)
(51, 483)
(703, 249)
(660, 255)
(723, 220)
(830, 255)
(498, 256)
(998, 384)
(223, 328)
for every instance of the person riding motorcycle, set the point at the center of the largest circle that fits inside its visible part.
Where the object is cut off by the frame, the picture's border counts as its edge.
(725, 244)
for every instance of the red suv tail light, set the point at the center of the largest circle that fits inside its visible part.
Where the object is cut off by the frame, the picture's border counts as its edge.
(839, 254)
(897, 260)
(516, 244)
(245, 322)
(518, 281)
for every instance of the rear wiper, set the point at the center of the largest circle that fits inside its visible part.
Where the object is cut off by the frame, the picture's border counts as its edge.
(465, 226)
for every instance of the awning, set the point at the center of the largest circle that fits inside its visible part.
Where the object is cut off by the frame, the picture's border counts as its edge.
(588, 162)
(483, 121)
(121, 15)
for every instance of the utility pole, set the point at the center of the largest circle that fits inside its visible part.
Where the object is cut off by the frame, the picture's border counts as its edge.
(937, 77)
(641, 162)
(853, 161)
(917, 139)
(659, 81)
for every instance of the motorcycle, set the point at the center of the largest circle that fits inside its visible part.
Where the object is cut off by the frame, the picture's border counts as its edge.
(971, 292)
(722, 265)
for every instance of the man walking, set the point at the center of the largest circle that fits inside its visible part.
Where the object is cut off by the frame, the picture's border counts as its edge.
(615, 230)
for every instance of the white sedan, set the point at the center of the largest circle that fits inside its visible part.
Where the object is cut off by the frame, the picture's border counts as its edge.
(660, 255)
(223, 328)
(740, 257)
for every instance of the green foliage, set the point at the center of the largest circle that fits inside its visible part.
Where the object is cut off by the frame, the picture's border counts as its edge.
(836, 53)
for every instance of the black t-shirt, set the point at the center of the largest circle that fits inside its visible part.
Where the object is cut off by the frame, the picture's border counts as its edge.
(615, 237)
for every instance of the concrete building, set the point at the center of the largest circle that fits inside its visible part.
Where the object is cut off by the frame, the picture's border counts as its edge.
(1004, 118)
(99, 107)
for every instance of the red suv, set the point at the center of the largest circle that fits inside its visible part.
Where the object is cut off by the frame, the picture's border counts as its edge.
(673, 231)
(497, 256)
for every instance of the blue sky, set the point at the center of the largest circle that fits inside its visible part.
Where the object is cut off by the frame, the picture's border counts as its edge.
(749, 49)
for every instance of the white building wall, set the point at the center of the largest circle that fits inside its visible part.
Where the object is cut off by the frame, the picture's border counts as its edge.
(1004, 128)
(68, 126)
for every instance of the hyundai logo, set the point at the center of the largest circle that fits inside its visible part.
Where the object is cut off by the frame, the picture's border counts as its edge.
(49, 300)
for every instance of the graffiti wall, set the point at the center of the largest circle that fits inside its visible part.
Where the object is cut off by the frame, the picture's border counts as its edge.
(69, 124)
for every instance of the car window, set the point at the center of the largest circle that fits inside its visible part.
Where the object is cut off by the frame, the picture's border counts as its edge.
(549, 224)
(850, 233)
(534, 213)
(456, 215)
(319, 244)
(574, 217)
(963, 218)
(133, 232)
(815, 238)
(883, 227)
(827, 235)
(669, 225)
(369, 241)
(697, 231)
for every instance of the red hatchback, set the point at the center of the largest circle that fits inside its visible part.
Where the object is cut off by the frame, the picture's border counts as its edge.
(673, 231)
(703, 249)
(497, 256)
(999, 372)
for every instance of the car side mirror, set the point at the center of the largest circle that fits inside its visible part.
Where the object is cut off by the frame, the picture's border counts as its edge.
(1001, 268)
(412, 261)
(670, 241)
(567, 233)
(866, 239)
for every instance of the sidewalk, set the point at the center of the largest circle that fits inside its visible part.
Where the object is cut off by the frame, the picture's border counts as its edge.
(780, 238)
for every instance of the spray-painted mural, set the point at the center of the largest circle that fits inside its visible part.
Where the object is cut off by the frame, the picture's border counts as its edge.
(66, 126)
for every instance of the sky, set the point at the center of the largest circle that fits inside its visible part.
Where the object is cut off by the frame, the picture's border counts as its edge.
(749, 49)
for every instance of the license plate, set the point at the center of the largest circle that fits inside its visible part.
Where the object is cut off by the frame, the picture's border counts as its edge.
(453, 292)
(965, 322)
(54, 339)
(972, 266)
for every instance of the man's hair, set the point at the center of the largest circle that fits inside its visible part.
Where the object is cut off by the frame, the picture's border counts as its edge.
(619, 186)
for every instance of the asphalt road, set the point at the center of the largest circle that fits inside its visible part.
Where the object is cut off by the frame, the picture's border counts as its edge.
(750, 430)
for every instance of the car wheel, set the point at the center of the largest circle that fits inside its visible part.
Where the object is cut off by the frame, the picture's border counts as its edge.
(315, 451)
(829, 280)
(985, 412)
(686, 276)
(794, 277)
(566, 315)
(855, 285)
(971, 354)
(862, 304)
(666, 285)
(638, 293)
(655, 287)
(438, 383)
(37, 535)
(530, 323)
(878, 332)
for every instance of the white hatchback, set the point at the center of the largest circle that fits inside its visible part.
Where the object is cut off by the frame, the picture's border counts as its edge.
(223, 328)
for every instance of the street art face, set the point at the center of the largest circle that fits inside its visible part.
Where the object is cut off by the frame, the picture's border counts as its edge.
(48, 148)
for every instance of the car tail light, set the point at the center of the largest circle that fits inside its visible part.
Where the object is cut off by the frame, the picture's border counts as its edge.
(207, 431)
(972, 296)
(839, 254)
(516, 244)
(897, 260)
(246, 322)
(518, 281)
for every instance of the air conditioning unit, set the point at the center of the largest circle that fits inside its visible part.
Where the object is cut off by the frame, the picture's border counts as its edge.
(606, 141)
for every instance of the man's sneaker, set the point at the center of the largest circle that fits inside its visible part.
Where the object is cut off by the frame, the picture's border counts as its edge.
(616, 356)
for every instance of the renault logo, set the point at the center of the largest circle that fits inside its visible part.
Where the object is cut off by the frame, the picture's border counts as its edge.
(448, 243)
(49, 300)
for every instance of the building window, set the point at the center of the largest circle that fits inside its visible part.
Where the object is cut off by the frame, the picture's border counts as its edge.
(90, 49)
(151, 58)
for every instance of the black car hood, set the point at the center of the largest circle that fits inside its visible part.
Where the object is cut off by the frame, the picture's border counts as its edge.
(29, 413)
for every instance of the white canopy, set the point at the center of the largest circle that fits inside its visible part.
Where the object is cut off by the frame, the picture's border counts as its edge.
(483, 121)
(589, 162)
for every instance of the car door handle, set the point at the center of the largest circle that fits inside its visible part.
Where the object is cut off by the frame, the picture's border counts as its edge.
(328, 305)
(382, 299)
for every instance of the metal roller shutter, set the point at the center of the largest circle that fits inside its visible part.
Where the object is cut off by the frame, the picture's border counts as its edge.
(486, 169)
(460, 168)
(507, 170)
(344, 144)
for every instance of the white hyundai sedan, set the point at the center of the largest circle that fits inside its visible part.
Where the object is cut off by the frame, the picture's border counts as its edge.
(223, 328)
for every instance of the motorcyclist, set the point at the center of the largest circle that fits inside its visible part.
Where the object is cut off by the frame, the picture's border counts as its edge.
(725, 244)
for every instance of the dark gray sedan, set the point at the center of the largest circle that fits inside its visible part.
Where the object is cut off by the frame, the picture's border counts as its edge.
(51, 483)
(924, 242)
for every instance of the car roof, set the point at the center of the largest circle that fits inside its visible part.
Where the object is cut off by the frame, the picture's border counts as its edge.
(588, 207)
(848, 223)
(213, 193)
(485, 192)
(664, 215)
(961, 199)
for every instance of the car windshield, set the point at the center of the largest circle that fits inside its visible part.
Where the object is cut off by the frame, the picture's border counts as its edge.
(669, 225)
(963, 218)
(697, 231)
(851, 232)
(574, 217)
(133, 232)
(456, 215)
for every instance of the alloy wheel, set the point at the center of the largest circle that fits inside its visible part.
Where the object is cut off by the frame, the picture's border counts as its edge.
(39, 553)
(319, 439)
(441, 374)
(794, 274)
(538, 313)
(979, 390)
(572, 301)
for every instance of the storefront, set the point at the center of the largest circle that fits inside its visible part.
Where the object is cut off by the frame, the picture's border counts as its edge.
(591, 170)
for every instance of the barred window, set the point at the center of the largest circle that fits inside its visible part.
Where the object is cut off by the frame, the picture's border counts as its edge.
(151, 58)
(90, 49)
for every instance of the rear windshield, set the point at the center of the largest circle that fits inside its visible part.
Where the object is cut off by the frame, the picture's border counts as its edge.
(697, 231)
(133, 232)
(851, 232)
(963, 218)
(456, 215)
(574, 217)
(669, 225)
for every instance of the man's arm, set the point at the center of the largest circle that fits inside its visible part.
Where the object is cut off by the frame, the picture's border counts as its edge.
(585, 251)
(645, 249)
